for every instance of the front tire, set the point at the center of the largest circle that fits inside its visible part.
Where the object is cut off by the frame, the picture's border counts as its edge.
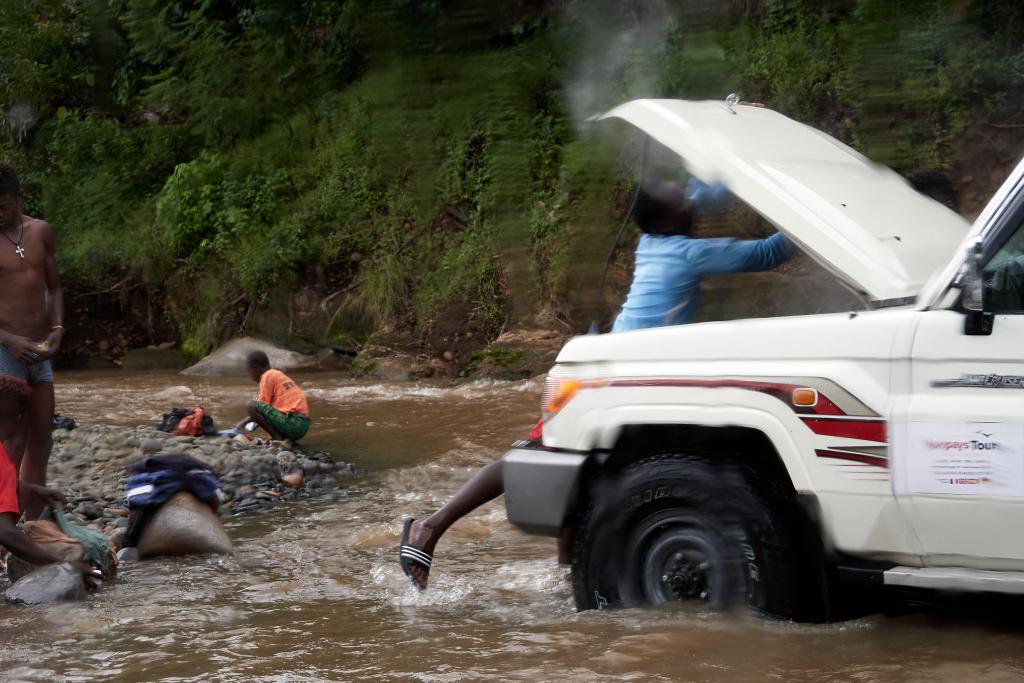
(683, 528)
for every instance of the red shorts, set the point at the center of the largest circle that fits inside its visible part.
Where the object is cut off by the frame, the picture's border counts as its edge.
(8, 485)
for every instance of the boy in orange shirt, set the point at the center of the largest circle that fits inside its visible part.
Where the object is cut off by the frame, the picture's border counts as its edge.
(281, 407)
(14, 393)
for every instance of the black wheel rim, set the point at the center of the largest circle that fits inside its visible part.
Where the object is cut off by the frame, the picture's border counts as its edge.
(678, 557)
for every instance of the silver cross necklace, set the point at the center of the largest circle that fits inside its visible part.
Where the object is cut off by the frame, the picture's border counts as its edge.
(18, 249)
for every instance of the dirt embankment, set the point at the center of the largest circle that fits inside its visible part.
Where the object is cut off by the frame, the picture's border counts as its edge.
(131, 328)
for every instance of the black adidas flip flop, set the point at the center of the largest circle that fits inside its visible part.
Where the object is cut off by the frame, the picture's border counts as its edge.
(410, 556)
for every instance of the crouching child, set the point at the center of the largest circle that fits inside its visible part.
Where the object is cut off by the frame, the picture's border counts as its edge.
(281, 408)
(14, 395)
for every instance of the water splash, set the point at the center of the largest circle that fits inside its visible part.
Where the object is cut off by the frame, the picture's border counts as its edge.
(401, 391)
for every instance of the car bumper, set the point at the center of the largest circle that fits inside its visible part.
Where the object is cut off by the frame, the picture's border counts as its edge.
(541, 487)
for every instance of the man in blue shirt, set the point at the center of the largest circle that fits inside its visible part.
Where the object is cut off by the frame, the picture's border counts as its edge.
(669, 263)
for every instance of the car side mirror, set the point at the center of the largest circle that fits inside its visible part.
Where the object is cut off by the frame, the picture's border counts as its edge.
(978, 321)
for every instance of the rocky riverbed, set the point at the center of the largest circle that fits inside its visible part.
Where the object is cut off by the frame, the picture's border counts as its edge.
(88, 465)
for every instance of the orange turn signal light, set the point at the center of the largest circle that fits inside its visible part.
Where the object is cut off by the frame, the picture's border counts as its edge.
(559, 391)
(805, 397)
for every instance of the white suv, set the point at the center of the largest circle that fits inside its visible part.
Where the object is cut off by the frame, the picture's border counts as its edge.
(775, 461)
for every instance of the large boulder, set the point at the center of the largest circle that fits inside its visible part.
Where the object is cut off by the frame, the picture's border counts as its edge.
(184, 525)
(52, 583)
(230, 359)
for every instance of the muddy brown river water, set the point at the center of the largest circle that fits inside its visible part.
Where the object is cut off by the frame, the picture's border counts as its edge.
(314, 593)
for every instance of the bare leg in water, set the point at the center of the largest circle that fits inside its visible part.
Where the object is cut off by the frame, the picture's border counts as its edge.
(485, 486)
(38, 441)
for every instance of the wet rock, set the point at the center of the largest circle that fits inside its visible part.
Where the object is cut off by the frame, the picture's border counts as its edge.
(230, 359)
(252, 504)
(80, 461)
(293, 479)
(46, 585)
(516, 354)
(184, 525)
(152, 445)
(128, 555)
(393, 369)
(89, 510)
(116, 538)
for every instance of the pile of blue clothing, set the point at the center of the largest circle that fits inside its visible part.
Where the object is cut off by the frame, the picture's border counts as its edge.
(154, 480)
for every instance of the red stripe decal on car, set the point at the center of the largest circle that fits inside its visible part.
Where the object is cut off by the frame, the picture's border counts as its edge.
(867, 430)
(865, 458)
(783, 392)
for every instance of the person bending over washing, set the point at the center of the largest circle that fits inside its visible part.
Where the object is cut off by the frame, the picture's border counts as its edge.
(664, 291)
(14, 396)
(281, 407)
(670, 263)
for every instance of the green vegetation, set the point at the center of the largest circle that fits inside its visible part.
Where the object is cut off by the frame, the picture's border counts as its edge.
(393, 153)
(498, 356)
(899, 80)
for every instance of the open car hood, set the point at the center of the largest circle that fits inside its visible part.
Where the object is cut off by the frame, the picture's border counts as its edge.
(861, 220)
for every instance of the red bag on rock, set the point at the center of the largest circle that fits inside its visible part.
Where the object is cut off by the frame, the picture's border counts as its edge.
(191, 424)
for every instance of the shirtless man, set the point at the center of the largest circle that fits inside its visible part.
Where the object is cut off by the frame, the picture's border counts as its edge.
(31, 314)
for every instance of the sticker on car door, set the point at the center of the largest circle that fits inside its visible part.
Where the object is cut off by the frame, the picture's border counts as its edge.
(967, 458)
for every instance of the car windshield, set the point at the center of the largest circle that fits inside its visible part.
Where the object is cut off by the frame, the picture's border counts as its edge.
(798, 287)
